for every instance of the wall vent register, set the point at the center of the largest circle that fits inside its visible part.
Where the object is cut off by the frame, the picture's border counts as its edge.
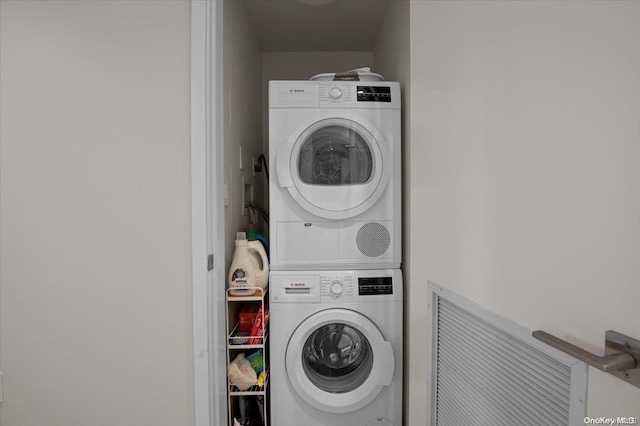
(487, 370)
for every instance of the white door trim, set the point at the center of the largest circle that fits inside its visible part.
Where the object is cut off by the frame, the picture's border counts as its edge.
(207, 193)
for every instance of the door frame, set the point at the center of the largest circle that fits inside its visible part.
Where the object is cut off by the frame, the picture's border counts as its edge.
(207, 214)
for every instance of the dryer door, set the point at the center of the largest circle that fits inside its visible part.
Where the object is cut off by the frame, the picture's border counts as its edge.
(338, 361)
(335, 168)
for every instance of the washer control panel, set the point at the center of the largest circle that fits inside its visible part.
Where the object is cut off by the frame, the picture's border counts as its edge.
(335, 92)
(336, 286)
(347, 286)
(373, 286)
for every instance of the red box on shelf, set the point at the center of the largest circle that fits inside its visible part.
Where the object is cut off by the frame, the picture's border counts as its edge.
(247, 316)
(257, 331)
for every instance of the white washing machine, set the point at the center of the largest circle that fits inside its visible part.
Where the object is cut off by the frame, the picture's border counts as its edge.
(336, 348)
(335, 186)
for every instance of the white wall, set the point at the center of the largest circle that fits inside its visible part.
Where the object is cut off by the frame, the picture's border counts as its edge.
(243, 116)
(525, 185)
(391, 56)
(95, 213)
(392, 47)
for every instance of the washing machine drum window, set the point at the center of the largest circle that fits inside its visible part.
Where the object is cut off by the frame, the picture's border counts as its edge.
(337, 358)
(338, 361)
(335, 155)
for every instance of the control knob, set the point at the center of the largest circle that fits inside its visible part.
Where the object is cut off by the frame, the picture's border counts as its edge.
(336, 288)
(335, 92)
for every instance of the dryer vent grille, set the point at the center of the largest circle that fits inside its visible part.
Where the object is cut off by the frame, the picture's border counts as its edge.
(373, 239)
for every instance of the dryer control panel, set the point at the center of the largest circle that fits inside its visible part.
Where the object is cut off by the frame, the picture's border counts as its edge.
(334, 94)
(374, 94)
(337, 92)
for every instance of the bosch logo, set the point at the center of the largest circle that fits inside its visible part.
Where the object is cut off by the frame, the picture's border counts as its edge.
(296, 90)
(297, 284)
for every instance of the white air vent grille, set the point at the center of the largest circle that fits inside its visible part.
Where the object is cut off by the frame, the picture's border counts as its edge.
(485, 374)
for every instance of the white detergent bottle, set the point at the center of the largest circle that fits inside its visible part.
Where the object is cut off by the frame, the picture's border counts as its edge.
(242, 274)
(249, 267)
(260, 263)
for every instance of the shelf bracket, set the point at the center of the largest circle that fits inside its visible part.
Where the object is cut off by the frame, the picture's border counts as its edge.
(622, 354)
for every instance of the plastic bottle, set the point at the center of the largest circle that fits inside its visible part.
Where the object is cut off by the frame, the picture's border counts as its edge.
(258, 253)
(260, 262)
(249, 267)
(253, 235)
(250, 229)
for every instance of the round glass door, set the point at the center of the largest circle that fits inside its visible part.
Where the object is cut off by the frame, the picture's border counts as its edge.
(337, 358)
(335, 155)
(335, 168)
(338, 361)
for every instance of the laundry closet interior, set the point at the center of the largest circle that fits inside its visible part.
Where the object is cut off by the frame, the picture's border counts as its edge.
(292, 40)
(289, 40)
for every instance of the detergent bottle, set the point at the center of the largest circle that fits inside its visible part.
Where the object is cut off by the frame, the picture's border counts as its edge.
(260, 263)
(249, 267)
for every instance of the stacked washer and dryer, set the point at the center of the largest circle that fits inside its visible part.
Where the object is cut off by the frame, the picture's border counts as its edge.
(335, 231)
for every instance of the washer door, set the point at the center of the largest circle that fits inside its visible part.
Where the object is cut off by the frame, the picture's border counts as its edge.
(338, 361)
(335, 168)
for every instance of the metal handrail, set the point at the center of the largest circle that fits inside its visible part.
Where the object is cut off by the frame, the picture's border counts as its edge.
(622, 356)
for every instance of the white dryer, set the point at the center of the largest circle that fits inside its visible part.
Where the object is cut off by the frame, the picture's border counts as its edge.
(336, 348)
(335, 187)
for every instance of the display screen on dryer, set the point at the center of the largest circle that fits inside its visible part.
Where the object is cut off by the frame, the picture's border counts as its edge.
(374, 94)
(375, 286)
